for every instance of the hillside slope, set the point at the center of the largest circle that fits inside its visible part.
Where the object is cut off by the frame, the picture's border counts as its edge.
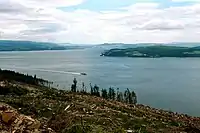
(66, 112)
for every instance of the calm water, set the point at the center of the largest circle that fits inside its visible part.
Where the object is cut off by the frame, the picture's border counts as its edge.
(167, 83)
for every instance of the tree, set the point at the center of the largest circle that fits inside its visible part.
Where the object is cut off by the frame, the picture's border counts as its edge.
(118, 96)
(126, 96)
(96, 91)
(83, 88)
(91, 89)
(104, 93)
(74, 85)
(134, 97)
(35, 77)
(130, 97)
(113, 94)
(121, 99)
(110, 93)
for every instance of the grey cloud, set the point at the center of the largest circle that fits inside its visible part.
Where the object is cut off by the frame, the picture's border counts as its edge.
(12, 7)
(43, 28)
(161, 24)
(162, 27)
(38, 31)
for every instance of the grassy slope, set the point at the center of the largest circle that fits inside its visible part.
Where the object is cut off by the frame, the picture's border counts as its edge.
(93, 114)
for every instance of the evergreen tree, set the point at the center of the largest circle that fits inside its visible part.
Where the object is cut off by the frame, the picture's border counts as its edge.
(74, 85)
(118, 95)
(91, 89)
(104, 93)
(110, 93)
(121, 99)
(83, 88)
(126, 96)
(113, 94)
(134, 97)
(130, 97)
(96, 91)
(35, 77)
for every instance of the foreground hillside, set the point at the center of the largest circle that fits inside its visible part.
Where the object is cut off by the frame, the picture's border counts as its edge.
(154, 52)
(52, 110)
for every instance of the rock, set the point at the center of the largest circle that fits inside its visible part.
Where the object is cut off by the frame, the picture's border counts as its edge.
(8, 116)
(35, 125)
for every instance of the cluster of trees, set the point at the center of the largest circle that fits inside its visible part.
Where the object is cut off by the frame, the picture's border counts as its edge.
(127, 96)
(24, 78)
(110, 94)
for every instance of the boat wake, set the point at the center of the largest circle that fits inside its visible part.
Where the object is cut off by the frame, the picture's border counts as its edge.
(46, 70)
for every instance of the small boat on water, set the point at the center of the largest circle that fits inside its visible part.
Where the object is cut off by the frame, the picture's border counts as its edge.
(83, 74)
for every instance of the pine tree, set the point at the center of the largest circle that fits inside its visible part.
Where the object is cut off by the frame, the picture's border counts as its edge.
(134, 97)
(126, 96)
(113, 94)
(91, 89)
(118, 95)
(110, 93)
(83, 88)
(121, 99)
(104, 93)
(96, 91)
(74, 85)
(130, 97)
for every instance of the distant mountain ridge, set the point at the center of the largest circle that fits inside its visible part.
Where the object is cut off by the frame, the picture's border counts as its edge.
(13, 45)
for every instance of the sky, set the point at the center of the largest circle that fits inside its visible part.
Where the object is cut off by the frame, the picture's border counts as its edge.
(100, 21)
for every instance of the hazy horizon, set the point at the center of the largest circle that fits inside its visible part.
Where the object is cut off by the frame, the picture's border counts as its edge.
(110, 43)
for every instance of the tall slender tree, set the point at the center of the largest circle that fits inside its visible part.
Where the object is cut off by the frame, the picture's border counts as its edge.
(113, 94)
(104, 93)
(91, 89)
(121, 99)
(118, 95)
(83, 90)
(126, 96)
(96, 91)
(134, 97)
(110, 93)
(74, 85)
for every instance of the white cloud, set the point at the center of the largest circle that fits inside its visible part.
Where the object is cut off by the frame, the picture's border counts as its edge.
(185, 0)
(145, 22)
(50, 3)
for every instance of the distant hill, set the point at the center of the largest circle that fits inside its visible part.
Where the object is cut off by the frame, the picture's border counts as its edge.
(154, 52)
(11, 45)
(121, 45)
(134, 45)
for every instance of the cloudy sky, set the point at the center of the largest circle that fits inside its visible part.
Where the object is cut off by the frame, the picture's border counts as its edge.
(100, 21)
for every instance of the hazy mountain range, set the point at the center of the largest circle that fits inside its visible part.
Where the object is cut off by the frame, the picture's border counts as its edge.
(13, 45)
(10, 45)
